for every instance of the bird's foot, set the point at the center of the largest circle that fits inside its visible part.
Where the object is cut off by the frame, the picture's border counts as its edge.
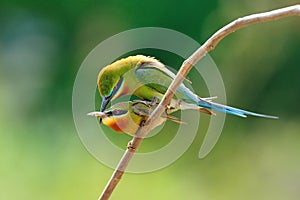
(154, 101)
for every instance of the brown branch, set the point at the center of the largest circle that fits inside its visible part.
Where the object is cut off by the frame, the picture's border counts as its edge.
(209, 45)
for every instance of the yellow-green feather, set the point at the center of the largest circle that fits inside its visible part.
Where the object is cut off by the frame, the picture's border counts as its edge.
(110, 75)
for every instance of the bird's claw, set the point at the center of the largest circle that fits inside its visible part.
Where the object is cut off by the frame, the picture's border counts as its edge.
(154, 101)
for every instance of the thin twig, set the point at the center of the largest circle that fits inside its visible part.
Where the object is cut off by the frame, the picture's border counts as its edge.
(209, 45)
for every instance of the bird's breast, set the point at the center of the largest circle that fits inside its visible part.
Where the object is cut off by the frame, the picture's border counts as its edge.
(121, 124)
(117, 125)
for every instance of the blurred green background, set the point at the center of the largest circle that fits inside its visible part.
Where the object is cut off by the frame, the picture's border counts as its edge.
(42, 44)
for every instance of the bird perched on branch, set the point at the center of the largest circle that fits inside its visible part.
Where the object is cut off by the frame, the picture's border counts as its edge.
(147, 78)
(126, 117)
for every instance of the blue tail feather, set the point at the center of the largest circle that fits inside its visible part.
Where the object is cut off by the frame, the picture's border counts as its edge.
(230, 110)
(206, 103)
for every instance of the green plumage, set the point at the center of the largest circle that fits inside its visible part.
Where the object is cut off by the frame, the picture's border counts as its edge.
(147, 78)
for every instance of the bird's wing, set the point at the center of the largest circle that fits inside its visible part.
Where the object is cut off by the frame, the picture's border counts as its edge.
(156, 76)
(141, 108)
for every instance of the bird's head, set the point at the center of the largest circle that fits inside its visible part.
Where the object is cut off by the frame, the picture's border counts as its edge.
(111, 82)
(120, 118)
(126, 117)
(110, 86)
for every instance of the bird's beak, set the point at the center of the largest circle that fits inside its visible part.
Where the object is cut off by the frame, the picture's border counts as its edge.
(97, 114)
(105, 101)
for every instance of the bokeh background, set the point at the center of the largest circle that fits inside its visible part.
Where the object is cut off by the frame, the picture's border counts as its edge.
(42, 44)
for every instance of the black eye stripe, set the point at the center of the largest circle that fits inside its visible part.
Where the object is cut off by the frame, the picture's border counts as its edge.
(119, 83)
(116, 87)
(109, 113)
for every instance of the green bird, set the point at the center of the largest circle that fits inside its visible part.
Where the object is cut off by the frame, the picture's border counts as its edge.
(126, 117)
(148, 78)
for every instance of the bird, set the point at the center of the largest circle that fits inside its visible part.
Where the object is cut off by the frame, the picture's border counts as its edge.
(127, 117)
(148, 78)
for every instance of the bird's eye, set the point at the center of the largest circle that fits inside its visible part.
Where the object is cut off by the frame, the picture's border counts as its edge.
(116, 87)
(116, 112)
(119, 112)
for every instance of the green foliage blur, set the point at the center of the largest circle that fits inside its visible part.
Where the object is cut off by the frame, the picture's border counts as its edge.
(42, 44)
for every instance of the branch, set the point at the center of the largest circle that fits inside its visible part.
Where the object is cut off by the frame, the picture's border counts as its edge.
(187, 65)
